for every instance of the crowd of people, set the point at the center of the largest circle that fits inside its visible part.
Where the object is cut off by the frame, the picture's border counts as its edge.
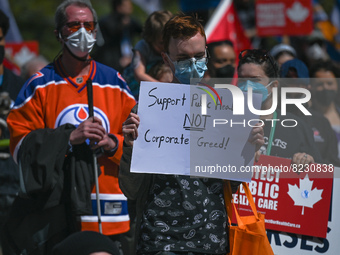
(73, 117)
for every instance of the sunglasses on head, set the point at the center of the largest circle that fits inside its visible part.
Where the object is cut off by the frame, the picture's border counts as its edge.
(74, 26)
(259, 54)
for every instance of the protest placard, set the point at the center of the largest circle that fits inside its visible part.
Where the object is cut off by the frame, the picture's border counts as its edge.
(176, 138)
(295, 244)
(293, 199)
(284, 17)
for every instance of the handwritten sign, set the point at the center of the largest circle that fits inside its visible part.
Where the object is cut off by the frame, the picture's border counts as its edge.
(175, 138)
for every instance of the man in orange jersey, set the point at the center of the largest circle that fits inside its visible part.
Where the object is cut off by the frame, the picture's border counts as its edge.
(50, 119)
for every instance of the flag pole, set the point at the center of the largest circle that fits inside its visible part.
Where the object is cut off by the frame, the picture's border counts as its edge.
(95, 166)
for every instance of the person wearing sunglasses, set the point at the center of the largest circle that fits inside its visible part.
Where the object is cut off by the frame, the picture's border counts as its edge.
(181, 214)
(56, 136)
(78, 37)
(257, 69)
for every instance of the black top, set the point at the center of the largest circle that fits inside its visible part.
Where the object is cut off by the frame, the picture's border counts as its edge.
(323, 134)
(11, 83)
(290, 140)
(9, 174)
(184, 214)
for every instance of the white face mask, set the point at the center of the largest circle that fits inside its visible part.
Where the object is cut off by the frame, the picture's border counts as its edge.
(80, 43)
(317, 52)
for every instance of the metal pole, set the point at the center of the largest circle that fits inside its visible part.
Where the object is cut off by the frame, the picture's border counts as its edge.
(95, 167)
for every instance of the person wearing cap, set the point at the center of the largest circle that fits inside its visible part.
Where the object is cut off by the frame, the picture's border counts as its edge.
(282, 53)
(299, 74)
(295, 74)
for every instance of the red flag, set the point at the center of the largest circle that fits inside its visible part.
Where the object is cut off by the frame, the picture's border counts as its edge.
(225, 25)
(11, 66)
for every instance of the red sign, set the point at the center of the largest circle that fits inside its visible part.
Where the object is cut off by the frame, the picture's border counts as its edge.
(284, 17)
(293, 199)
(18, 54)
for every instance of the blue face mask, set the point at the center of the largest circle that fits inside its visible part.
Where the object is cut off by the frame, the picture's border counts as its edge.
(257, 88)
(189, 68)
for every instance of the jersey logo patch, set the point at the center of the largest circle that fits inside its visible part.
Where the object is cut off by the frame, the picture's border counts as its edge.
(77, 113)
(79, 80)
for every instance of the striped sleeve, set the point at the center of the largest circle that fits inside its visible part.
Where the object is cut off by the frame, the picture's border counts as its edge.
(26, 115)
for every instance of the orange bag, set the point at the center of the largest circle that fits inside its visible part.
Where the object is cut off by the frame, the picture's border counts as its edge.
(249, 236)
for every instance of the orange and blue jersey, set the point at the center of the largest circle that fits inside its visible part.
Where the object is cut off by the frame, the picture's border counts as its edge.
(50, 98)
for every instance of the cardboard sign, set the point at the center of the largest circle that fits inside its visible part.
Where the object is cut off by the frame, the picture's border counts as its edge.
(175, 138)
(291, 197)
(284, 17)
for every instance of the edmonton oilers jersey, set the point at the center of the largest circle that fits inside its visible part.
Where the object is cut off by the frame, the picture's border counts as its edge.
(50, 98)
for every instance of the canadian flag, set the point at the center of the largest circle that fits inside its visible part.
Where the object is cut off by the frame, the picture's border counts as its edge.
(225, 25)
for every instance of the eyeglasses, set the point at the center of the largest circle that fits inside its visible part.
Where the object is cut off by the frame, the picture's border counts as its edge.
(74, 26)
(197, 61)
(259, 54)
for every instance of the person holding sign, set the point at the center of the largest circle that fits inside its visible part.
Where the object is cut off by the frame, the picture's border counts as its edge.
(178, 214)
(257, 69)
